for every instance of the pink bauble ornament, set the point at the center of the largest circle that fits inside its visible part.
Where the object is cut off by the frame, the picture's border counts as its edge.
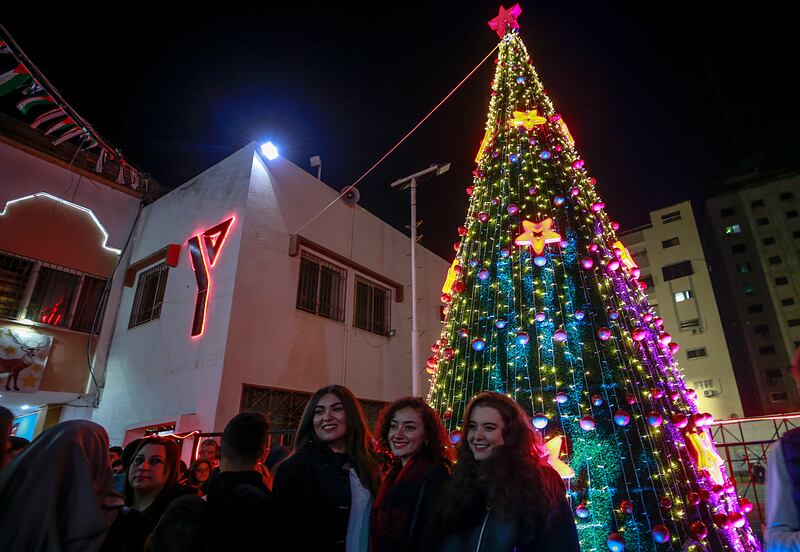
(721, 521)
(587, 423)
(659, 322)
(512, 209)
(613, 265)
(639, 334)
(597, 206)
(691, 394)
(555, 118)
(746, 505)
(656, 392)
(615, 226)
(664, 338)
(540, 316)
(560, 336)
(593, 248)
(737, 519)
(630, 398)
(578, 164)
(574, 191)
(654, 419)
(680, 421)
(587, 263)
(674, 348)
(674, 395)
(647, 317)
(604, 334)
(470, 190)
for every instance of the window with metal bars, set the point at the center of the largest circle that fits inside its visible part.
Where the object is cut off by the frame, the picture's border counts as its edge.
(149, 295)
(373, 307)
(321, 287)
(677, 270)
(14, 274)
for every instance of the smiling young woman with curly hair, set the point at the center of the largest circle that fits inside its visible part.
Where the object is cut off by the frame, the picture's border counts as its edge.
(503, 495)
(420, 455)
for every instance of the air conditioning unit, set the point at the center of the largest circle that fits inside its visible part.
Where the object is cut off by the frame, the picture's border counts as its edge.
(708, 393)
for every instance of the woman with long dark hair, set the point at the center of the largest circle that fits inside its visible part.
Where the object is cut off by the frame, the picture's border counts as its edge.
(420, 455)
(503, 495)
(323, 492)
(197, 476)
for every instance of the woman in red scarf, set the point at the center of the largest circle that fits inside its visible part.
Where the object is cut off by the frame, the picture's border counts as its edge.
(401, 513)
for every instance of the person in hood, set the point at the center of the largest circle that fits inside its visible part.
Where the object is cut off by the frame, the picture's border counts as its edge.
(57, 495)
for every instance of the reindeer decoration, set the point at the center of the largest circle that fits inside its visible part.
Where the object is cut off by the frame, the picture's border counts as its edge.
(13, 366)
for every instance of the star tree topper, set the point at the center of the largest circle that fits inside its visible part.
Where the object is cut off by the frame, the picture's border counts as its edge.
(528, 119)
(537, 234)
(506, 19)
(702, 451)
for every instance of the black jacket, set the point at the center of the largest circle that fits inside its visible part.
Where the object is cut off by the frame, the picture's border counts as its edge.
(491, 531)
(240, 506)
(312, 500)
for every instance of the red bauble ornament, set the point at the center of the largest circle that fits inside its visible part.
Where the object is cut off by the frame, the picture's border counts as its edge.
(626, 506)
(737, 519)
(630, 398)
(704, 495)
(483, 216)
(448, 353)
(459, 287)
(462, 230)
(446, 298)
(656, 392)
(448, 414)
(470, 190)
(693, 498)
(746, 506)
(456, 246)
(698, 530)
(435, 348)
(680, 420)
(721, 521)
(660, 533)
(665, 502)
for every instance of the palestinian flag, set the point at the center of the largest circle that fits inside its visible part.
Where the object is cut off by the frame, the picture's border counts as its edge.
(4, 49)
(14, 79)
(65, 124)
(48, 116)
(29, 103)
(77, 131)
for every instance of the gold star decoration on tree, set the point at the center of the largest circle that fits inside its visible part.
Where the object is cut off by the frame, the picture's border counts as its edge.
(704, 454)
(554, 449)
(537, 234)
(528, 119)
(451, 277)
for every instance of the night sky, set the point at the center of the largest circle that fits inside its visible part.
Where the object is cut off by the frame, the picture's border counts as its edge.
(663, 106)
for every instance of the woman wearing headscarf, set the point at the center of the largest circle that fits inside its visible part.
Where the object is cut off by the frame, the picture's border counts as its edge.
(57, 495)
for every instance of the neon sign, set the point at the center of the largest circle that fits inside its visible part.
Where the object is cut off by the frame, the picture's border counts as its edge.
(204, 250)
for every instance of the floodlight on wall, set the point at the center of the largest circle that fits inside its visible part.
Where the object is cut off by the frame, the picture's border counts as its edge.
(317, 162)
(269, 150)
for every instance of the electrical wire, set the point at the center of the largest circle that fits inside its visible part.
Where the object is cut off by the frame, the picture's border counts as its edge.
(346, 190)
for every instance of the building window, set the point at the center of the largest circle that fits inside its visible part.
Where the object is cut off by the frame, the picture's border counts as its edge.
(749, 289)
(756, 203)
(754, 309)
(793, 322)
(702, 385)
(779, 397)
(763, 221)
(728, 212)
(372, 309)
(672, 242)
(696, 353)
(690, 324)
(681, 296)
(738, 248)
(788, 302)
(791, 214)
(677, 270)
(796, 234)
(774, 260)
(60, 296)
(768, 240)
(786, 196)
(14, 274)
(781, 281)
(670, 217)
(743, 267)
(733, 229)
(767, 350)
(761, 329)
(149, 295)
(321, 287)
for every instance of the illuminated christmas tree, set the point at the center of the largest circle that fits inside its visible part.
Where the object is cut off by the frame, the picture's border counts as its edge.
(543, 304)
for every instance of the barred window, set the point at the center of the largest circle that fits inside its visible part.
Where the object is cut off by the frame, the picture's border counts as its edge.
(14, 273)
(320, 288)
(672, 242)
(373, 307)
(149, 295)
(670, 217)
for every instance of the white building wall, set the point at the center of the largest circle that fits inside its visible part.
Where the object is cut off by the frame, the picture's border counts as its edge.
(156, 372)
(272, 343)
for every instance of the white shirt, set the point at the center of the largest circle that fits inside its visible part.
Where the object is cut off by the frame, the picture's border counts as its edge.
(783, 523)
(360, 510)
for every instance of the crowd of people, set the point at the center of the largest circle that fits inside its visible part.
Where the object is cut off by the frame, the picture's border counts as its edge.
(408, 489)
